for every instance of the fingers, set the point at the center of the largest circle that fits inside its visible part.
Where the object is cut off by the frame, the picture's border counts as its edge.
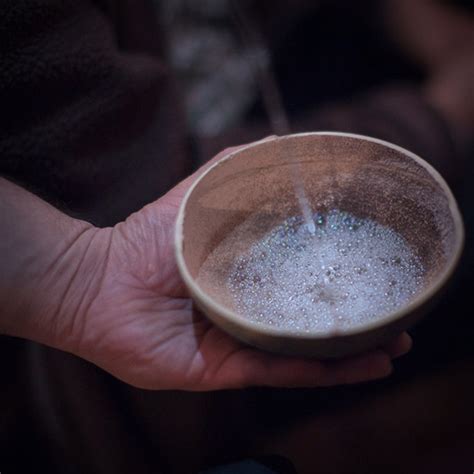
(255, 368)
(185, 184)
(224, 153)
(165, 209)
(362, 368)
(400, 346)
(178, 192)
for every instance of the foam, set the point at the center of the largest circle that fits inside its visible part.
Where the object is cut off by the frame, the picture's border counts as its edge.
(345, 273)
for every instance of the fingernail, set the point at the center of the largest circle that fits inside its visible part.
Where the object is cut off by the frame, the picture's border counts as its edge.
(406, 346)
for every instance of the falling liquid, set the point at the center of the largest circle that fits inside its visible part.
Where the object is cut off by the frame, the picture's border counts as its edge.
(303, 200)
(347, 272)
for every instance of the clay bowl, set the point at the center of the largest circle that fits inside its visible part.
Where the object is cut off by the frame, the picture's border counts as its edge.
(367, 177)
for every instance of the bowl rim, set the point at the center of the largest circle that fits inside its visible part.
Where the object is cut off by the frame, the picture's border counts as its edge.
(262, 328)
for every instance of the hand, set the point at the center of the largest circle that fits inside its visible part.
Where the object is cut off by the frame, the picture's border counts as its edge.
(141, 325)
(124, 308)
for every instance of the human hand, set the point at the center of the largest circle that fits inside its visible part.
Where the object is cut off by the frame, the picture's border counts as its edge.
(125, 309)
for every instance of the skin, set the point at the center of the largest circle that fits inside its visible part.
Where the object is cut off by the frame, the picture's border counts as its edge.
(114, 297)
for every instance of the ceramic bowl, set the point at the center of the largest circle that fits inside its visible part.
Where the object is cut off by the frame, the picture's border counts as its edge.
(367, 177)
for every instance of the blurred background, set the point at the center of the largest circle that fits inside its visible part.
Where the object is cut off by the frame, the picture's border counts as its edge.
(243, 65)
(400, 70)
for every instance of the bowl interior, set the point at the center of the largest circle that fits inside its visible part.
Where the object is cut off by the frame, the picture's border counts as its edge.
(369, 179)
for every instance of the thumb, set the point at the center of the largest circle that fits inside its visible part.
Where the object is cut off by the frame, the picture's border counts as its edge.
(176, 195)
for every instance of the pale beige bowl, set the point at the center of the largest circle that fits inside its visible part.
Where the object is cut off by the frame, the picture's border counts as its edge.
(364, 176)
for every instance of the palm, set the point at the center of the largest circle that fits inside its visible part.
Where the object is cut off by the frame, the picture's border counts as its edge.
(142, 326)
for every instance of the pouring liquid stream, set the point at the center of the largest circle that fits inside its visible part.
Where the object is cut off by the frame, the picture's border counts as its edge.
(272, 101)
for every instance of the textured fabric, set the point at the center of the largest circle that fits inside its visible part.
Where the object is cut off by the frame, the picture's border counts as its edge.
(89, 114)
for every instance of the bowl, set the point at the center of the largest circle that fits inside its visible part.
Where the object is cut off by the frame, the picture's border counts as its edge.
(254, 199)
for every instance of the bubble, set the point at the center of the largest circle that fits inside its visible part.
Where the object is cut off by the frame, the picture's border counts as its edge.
(349, 272)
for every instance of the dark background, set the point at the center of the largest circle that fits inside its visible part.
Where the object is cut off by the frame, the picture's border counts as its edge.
(421, 419)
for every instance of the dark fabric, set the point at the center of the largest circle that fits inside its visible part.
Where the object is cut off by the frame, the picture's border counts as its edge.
(89, 114)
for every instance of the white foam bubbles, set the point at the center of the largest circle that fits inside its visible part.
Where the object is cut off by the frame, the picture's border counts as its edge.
(345, 273)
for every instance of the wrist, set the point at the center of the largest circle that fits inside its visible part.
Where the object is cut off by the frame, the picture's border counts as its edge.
(48, 264)
(66, 286)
